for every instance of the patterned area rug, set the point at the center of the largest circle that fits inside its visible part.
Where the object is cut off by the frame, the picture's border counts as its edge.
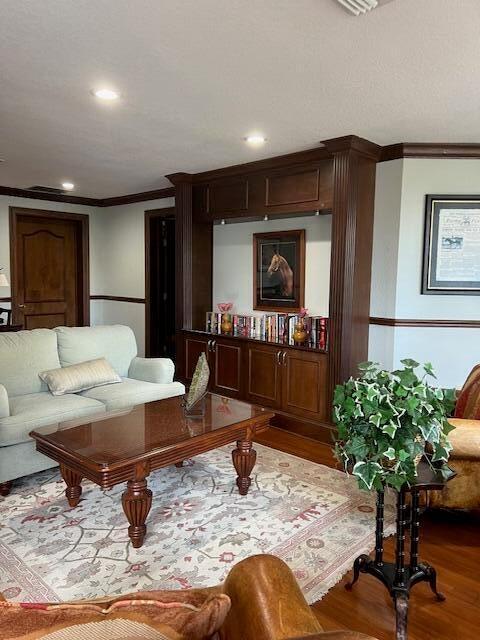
(311, 516)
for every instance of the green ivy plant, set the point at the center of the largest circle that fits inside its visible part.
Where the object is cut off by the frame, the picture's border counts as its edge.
(387, 420)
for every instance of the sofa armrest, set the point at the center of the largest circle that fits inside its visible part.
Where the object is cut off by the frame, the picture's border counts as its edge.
(267, 603)
(159, 370)
(4, 406)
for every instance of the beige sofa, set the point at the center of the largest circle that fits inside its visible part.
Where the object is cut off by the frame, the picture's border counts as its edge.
(26, 403)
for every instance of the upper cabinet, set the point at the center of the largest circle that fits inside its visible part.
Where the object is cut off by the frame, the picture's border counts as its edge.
(292, 189)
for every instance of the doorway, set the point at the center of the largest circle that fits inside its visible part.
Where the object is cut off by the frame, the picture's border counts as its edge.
(49, 268)
(160, 283)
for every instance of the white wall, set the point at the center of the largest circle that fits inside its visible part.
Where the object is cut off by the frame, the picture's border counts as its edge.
(117, 257)
(233, 261)
(120, 245)
(397, 269)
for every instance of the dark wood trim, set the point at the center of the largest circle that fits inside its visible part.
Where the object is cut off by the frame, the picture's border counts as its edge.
(417, 322)
(7, 299)
(167, 192)
(149, 215)
(119, 299)
(50, 197)
(83, 220)
(430, 150)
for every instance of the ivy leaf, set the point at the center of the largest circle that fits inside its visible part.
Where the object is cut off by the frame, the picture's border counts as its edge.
(367, 472)
(390, 453)
(404, 455)
(390, 429)
(406, 376)
(411, 364)
(428, 368)
(396, 480)
(447, 427)
(357, 447)
(376, 419)
(440, 454)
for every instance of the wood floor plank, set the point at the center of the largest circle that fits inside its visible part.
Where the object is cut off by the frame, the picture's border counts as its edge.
(450, 543)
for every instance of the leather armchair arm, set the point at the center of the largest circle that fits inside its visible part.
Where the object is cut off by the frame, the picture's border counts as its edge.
(4, 406)
(267, 603)
(159, 370)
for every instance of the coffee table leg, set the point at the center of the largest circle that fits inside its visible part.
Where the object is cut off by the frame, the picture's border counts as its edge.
(72, 479)
(137, 501)
(244, 458)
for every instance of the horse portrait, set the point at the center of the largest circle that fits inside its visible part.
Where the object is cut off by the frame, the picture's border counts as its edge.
(279, 266)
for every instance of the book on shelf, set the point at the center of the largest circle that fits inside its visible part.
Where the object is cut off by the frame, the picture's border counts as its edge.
(272, 327)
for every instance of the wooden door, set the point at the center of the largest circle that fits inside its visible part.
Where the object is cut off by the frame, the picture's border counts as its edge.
(263, 375)
(226, 365)
(304, 383)
(194, 346)
(49, 268)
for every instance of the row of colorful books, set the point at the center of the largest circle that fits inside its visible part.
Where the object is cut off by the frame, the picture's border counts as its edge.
(272, 327)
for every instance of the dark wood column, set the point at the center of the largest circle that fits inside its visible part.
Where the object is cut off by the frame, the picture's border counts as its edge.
(193, 269)
(352, 236)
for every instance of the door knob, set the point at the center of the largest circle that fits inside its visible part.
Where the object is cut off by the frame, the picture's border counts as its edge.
(279, 355)
(21, 306)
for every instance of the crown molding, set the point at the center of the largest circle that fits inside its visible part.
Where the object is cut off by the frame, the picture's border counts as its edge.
(430, 150)
(157, 194)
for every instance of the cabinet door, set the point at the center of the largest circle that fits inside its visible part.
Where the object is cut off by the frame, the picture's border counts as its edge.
(263, 375)
(304, 384)
(194, 346)
(226, 365)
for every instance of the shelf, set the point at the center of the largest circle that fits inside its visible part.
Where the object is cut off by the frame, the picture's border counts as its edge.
(256, 340)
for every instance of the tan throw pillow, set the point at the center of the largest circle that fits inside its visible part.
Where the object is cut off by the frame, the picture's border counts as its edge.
(79, 377)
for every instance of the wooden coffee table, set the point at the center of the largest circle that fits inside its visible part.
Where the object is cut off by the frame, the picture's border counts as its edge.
(125, 446)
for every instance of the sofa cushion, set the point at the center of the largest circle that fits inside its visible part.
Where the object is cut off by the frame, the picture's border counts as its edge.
(130, 392)
(23, 355)
(116, 343)
(468, 402)
(39, 409)
(79, 377)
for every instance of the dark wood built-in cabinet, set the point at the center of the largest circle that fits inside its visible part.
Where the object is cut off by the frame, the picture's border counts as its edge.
(288, 379)
(337, 178)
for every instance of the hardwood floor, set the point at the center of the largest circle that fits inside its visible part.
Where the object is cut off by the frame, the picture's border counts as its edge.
(450, 543)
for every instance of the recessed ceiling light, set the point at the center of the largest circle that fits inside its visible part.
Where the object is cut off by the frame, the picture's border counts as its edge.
(256, 139)
(68, 186)
(106, 94)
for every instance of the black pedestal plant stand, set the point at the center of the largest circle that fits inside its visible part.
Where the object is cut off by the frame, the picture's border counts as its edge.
(399, 577)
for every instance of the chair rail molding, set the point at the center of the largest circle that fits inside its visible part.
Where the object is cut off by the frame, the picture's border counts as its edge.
(425, 322)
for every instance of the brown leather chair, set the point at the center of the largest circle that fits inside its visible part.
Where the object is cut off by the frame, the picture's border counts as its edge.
(266, 604)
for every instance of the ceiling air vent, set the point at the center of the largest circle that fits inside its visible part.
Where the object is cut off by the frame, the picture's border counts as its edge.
(358, 7)
(39, 187)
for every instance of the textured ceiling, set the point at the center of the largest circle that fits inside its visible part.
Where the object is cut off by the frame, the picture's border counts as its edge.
(198, 75)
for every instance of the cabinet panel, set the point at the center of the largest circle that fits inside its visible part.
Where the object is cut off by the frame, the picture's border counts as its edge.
(227, 196)
(263, 375)
(292, 188)
(193, 348)
(304, 384)
(226, 360)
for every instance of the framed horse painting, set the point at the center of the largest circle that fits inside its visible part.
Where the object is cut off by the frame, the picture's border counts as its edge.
(279, 270)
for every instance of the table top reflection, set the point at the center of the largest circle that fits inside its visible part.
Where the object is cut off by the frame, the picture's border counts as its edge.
(142, 429)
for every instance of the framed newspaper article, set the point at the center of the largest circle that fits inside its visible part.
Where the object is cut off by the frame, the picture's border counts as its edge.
(451, 254)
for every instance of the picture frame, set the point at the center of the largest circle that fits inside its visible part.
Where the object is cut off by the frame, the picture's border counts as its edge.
(451, 248)
(279, 270)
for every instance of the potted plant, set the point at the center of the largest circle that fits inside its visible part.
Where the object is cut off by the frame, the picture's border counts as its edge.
(387, 421)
